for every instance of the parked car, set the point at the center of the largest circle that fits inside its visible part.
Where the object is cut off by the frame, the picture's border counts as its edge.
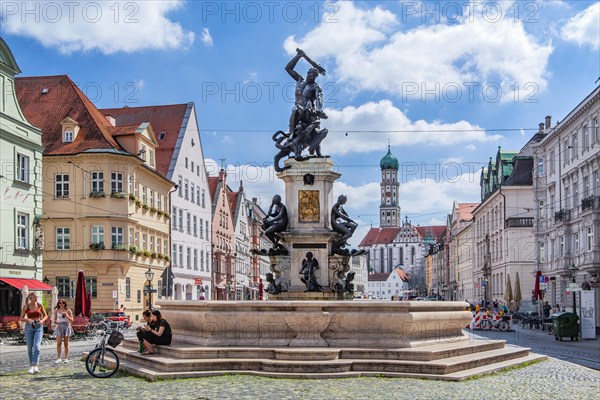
(111, 315)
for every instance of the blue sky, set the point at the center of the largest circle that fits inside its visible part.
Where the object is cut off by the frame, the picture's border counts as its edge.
(445, 83)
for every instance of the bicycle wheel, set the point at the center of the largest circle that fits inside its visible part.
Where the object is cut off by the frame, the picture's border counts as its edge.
(503, 326)
(102, 363)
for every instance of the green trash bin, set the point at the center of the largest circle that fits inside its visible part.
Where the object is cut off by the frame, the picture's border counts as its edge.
(565, 324)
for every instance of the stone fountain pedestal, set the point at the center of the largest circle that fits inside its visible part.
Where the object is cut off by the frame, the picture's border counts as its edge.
(320, 339)
(309, 199)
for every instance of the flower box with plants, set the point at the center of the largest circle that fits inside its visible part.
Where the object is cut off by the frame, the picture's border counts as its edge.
(138, 203)
(160, 213)
(167, 215)
(145, 207)
(139, 253)
(154, 255)
(146, 253)
(132, 197)
(97, 246)
(153, 209)
(118, 195)
(119, 247)
(96, 194)
(167, 258)
(133, 249)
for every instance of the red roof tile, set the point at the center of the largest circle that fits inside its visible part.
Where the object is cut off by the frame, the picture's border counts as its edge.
(233, 199)
(213, 182)
(168, 119)
(379, 236)
(378, 276)
(63, 99)
(402, 274)
(465, 211)
(437, 231)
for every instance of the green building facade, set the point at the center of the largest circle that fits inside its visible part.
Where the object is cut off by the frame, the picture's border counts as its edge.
(21, 238)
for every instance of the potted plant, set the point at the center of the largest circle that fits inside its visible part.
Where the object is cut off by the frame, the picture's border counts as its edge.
(132, 249)
(119, 247)
(96, 194)
(118, 195)
(97, 246)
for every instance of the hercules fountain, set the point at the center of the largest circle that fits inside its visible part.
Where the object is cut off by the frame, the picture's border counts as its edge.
(310, 327)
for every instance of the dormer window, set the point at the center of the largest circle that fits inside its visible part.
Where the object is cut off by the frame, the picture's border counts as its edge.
(70, 128)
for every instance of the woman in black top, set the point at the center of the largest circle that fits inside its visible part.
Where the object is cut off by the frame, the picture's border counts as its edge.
(159, 334)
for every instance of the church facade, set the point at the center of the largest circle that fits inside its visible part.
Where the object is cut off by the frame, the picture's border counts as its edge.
(396, 244)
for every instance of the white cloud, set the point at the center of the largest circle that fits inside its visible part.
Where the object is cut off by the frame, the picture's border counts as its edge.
(584, 28)
(470, 147)
(109, 27)
(435, 196)
(207, 38)
(372, 53)
(382, 120)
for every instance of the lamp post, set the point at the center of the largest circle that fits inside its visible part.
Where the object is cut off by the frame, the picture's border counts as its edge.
(169, 282)
(573, 271)
(148, 289)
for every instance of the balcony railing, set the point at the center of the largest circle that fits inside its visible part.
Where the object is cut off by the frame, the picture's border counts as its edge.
(590, 203)
(519, 223)
(562, 215)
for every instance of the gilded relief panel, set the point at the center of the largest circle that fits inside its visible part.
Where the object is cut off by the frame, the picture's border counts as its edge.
(308, 206)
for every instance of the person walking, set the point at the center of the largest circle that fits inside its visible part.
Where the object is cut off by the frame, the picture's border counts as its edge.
(63, 317)
(34, 315)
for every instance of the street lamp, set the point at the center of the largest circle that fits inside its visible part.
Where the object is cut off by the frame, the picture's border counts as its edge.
(573, 271)
(149, 276)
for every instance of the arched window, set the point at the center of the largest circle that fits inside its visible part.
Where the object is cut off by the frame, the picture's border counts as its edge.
(401, 255)
(381, 260)
(390, 260)
(412, 255)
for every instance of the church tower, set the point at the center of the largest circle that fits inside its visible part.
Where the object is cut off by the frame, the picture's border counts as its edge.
(389, 210)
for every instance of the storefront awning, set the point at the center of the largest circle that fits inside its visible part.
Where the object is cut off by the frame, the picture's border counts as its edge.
(32, 284)
(221, 285)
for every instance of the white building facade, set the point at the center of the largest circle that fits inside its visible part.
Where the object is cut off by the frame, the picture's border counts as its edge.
(567, 195)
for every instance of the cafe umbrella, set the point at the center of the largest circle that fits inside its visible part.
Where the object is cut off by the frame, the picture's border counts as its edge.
(508, 292)
(83, 301)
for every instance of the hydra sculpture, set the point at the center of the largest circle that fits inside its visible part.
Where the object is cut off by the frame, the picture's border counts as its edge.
(305, 120)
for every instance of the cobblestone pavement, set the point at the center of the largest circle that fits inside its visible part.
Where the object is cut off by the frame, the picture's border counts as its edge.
(583, 352)
(552, 379)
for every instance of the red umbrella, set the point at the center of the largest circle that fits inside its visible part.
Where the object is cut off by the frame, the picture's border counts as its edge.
(83, 301)
(537, 293)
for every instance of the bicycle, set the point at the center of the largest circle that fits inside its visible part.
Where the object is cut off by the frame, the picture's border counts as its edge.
(501, 324)
(103, 362)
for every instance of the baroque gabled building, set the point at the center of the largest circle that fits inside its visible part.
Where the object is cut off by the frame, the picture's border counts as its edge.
(105, 206)
(223, 239)
(180, 158)
(21, 238)
(502, 226)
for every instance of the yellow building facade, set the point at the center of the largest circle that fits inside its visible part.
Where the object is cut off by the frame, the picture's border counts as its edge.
(105, 207)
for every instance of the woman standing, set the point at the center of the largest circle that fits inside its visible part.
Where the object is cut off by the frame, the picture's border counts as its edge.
(34, 316)
(63, 331)
(159, 334)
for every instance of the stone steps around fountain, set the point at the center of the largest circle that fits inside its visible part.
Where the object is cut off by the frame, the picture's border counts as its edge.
(162, 365)
(433, 351)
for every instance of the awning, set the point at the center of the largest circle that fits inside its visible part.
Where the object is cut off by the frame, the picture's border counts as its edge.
(32, 284)
(221, 285)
